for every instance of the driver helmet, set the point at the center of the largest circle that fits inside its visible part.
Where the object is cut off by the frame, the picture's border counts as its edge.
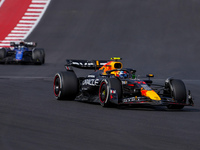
(123, 74)
(21, 44)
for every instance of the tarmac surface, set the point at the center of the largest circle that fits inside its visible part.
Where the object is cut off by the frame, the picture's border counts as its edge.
(157, 36)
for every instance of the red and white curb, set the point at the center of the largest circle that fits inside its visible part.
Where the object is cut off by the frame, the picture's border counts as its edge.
(27, 23)
(1, 2)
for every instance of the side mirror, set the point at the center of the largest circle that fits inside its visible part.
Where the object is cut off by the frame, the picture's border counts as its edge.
(150, 75)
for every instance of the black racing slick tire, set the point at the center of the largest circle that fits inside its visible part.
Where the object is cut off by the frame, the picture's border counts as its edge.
(2, 53)
(65, 85)
(178, 93)
(104, 90)
(38, 56)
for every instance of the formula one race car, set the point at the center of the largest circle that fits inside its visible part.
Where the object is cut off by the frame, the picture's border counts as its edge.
(110, 83)
(22, 52)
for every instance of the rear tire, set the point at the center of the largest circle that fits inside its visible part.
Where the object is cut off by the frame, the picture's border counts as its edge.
(104, 90)
(38, 56)
(178, 93)
(2, 53)
(65, 85)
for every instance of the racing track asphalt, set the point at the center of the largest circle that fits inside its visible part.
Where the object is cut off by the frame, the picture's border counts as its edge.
(157, 36)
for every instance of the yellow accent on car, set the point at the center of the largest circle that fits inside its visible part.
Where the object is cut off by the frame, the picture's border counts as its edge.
(151, 75)
(97, 63)
(111, 66)
(152, 95)
(116, 58)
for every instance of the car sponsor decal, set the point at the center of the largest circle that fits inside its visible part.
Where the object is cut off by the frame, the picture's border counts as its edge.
(131, 99)
(92, 82)
(20, 22)
(82, 63)
(91, 76)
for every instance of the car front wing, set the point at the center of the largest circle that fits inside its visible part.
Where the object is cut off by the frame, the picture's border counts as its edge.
(146, 101)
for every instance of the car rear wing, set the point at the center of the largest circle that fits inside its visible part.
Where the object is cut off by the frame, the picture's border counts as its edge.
(27, 44)
(85, 64)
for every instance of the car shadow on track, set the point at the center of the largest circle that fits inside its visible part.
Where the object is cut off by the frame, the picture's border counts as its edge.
(158, 108)
(144, 107)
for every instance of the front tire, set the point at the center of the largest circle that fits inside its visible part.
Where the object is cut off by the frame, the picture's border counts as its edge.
(65, 85)
(178, 93)
(104, 90)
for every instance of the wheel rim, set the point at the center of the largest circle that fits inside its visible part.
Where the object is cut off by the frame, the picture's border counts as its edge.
(103, 92)
(56, 86)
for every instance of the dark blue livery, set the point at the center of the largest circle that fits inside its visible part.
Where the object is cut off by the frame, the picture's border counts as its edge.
(22, 52)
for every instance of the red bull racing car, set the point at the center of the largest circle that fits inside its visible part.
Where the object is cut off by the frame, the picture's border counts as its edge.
(22, 52)
(110, 84)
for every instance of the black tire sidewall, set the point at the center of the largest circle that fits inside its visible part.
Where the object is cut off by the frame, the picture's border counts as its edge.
(178, 93)
(68, 87)
(109, 83)
(2, 53)
(104, 84)
(38, 54)
(57, 78)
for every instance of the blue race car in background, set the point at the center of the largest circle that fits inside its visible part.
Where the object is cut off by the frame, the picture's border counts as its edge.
(22, 52)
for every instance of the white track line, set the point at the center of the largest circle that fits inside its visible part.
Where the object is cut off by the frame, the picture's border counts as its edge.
(15, 35)
(35, 10)
(4, 41)
(26, 21)
(24, 77)
(24, 25)
(35, 1)
(29, 17)
(36, 5)
(34, 14)
(14, 31)
(22, 28)
(12, 38)
(1, 2)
